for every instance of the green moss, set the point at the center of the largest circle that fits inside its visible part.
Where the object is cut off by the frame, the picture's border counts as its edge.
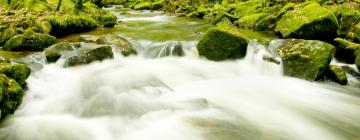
(357, 60)
(222, 43)
(305, 59)
(68, 24)
(105, 19)
(250, 20)
(29, 42)
(12, 94)
(143, 6)
(18, 72)
(345, 50)
(157, 5)
(266, 24)
(310, 22)
(347, 16)
(336, 74)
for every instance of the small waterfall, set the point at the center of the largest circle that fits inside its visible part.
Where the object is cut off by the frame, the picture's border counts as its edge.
(178, 98)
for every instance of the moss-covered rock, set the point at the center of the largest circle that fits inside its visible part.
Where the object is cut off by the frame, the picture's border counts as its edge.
(268, 23)
(68, 24)
(250, 20)
(222, 43)
(121, 43)
(11, 95)
(309, 22)
(306, 59)
(336, 74)
(29, 42)
(345, 50)
(88, 54)
(347, 15)
(18, 72)
(54, 52)
(157, 5)
(105, 19)
(143, 6)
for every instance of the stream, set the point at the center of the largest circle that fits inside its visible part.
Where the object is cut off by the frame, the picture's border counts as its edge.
(179, 98)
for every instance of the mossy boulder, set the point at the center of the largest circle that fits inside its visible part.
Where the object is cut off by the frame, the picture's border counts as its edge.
(336, 74)
(157, 5)
(348, 16)
(67, 24)
(11, 95)
(121, 43)
(143, 6)
(310, 22)
(170, 48)
(54, 52)
(105, 19)
(222, 43)
(29, 42)
(306, 59)
(250, 21)
(18, 72)
(345, 50)
(88, 54)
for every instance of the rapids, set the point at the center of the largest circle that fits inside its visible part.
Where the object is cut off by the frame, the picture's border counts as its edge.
(180, 98)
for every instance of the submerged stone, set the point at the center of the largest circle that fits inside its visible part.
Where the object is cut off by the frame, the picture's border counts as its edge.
(54, 52)
(29, 42)
(88, 54)
(121, 43)
(306, 59)
(222, 43)
(336, 74)
(310, 22)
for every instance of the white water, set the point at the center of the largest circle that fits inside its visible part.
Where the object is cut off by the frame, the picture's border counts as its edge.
(186, 98)
(180, 98)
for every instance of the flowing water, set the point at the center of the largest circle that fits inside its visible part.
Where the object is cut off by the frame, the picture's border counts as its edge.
(180, 98)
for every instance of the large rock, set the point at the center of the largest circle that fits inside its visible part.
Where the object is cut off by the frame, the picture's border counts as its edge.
(11, 95)
(88, 54)
(309, 22)
(171, 48)
(345, 50)
(222, 43)
(29, 42)
(54, 52)
(306, 59)
(121, 43)
(336, 74)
